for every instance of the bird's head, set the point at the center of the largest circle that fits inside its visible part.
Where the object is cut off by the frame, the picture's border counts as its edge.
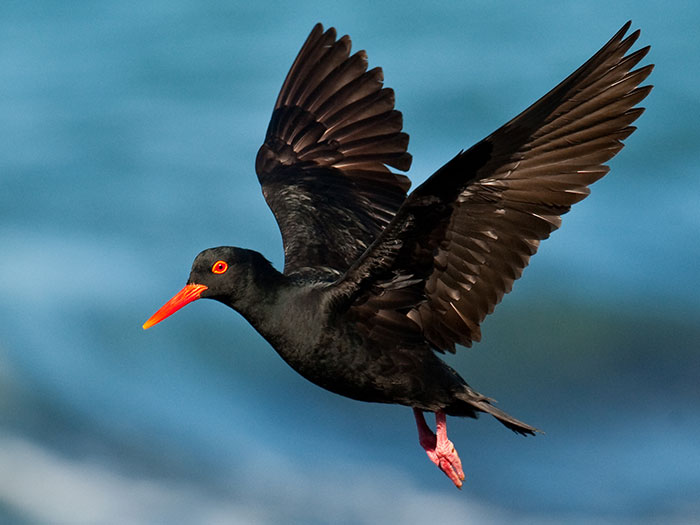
(217, 273)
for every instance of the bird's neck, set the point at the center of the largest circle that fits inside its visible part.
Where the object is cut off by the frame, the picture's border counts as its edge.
(256, 291)
(286, 312)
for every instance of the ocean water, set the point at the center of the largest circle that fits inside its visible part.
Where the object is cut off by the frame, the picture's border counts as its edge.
(128, 140)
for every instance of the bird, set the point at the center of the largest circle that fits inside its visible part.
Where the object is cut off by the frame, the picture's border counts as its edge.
(377, 282)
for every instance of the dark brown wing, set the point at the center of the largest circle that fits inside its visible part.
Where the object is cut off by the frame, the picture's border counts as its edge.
(324, 165)
(462, 237)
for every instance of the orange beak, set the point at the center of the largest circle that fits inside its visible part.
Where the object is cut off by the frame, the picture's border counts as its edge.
(189, 293)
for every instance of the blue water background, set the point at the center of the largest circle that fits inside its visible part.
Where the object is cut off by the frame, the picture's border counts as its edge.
(129, 131)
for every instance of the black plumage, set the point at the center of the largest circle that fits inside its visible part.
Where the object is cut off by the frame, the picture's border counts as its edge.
(375, 282)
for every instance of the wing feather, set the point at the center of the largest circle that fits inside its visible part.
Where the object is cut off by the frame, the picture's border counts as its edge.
(466, 234)
(324, 165)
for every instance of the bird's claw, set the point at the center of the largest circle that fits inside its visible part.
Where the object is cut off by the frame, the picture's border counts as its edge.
(445, 456)
(439, 449)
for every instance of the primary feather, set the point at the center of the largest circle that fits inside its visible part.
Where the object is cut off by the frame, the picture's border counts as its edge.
(465, 235)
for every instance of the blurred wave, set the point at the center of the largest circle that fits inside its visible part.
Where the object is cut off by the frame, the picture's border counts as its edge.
(130, 134)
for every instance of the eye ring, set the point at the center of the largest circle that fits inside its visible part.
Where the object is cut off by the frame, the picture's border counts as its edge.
(219, 267)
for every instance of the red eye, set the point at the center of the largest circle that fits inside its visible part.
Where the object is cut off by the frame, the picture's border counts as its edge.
(219, 267)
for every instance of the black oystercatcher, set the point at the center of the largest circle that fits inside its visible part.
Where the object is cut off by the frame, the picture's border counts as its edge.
(375, 282)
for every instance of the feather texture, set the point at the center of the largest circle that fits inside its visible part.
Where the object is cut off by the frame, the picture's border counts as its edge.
(466, 234)
(324, 165)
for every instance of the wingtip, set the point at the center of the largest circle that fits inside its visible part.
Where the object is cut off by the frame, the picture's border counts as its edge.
(316, 32)
(644, 51)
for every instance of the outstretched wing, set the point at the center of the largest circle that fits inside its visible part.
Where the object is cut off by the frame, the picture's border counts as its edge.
(324, 165)
(465, 235)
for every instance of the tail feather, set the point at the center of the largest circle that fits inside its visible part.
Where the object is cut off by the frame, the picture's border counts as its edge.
(483, 404)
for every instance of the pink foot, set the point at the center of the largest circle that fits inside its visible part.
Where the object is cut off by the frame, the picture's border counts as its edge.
(440, 450)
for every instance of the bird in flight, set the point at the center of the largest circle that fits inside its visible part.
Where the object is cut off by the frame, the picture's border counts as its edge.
(377, 282)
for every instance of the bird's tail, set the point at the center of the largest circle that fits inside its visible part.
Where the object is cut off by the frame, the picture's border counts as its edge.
(482, 403)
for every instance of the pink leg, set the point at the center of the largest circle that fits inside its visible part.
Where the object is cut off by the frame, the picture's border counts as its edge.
(440, 450)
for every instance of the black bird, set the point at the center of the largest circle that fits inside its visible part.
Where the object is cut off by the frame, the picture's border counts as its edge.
(375, 282)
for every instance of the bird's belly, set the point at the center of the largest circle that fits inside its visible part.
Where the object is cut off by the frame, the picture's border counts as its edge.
(364, 373)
